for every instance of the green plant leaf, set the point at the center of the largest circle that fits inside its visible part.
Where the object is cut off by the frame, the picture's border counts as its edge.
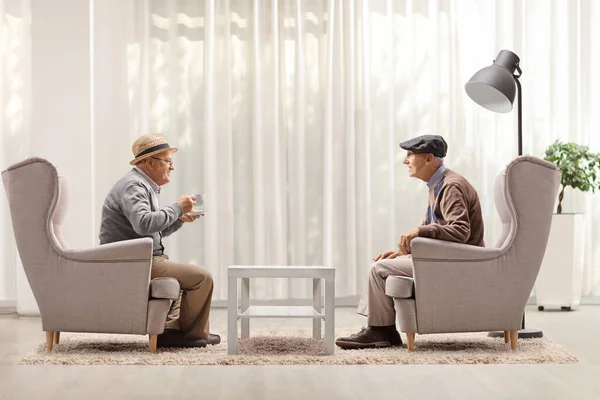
(579, 166)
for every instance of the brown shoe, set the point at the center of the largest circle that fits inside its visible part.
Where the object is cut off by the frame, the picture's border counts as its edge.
(212, 339)
(367, 338)
(176, 338)
(394, 337)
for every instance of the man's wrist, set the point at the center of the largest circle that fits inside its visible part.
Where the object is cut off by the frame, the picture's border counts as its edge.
(178, 209)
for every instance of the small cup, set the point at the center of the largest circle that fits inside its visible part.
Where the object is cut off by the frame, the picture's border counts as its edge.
(199, 202)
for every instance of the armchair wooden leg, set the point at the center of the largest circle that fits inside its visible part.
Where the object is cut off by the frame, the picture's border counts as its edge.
(153, 339)
(506, 337)
(411, 341)
(49, 340)
(56, 337)
(514, 335)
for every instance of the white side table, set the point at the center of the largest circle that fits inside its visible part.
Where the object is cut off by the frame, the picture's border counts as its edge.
(245, 312)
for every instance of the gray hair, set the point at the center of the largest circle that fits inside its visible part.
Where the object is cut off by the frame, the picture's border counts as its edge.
(439, 160)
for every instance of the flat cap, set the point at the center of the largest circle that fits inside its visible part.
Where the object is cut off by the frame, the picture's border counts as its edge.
(433, 144)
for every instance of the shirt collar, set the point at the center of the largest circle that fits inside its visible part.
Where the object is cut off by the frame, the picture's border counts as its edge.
(437, 175)
(153, 184)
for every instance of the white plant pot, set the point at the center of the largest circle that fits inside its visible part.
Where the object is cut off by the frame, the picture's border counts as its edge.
(560, 280)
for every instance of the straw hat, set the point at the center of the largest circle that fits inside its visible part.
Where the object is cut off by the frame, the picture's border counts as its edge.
(149, 145)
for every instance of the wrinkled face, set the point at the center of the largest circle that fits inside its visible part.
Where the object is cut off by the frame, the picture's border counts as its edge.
(159, 167)
(419, 164)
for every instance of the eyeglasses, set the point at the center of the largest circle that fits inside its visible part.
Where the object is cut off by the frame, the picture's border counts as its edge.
(169, 161)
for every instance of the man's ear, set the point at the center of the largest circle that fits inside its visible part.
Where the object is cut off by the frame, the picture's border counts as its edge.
(430, 157)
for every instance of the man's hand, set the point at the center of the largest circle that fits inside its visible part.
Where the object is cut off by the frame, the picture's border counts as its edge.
(404, 241)
(189, 218)
(389, 255)
(187, 203)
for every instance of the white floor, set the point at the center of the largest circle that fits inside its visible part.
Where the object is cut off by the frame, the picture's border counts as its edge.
(577, 331)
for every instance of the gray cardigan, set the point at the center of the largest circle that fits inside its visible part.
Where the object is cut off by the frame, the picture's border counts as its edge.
(131, 211)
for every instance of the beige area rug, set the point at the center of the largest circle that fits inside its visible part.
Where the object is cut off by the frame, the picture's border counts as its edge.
(296, 347)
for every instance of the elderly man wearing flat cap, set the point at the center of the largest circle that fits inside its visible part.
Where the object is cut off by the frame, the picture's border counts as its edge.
(453, 214)
(131, 210)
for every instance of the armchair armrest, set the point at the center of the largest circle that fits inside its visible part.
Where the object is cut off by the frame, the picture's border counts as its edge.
(164, 288)
(124, 251)
(441, 250)
(110, 284)
(463, 288)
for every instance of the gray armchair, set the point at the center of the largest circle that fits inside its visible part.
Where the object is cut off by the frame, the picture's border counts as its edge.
(462, 288)
(104, 289)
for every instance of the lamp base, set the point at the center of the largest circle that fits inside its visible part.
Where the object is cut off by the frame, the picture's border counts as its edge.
(523, 334)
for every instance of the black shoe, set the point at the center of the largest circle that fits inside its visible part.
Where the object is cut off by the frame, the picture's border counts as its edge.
(394, 337)
(212, 339)
(365, 339)
(176, 338)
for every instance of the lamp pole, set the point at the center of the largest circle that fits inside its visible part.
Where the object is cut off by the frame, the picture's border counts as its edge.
(519, 106)
(520, 136)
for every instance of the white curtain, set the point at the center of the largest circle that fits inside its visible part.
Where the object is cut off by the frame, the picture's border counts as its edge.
(15, 99)
(288, 116)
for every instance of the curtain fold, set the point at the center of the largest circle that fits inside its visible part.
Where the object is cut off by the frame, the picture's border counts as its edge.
(15, 112)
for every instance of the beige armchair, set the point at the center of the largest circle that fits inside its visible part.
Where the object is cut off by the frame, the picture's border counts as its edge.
(104, 289)
(462, 288)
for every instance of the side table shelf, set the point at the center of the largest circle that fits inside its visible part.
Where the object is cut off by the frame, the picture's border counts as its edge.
(281, 312)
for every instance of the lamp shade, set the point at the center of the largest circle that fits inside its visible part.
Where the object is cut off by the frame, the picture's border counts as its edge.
(493, 87)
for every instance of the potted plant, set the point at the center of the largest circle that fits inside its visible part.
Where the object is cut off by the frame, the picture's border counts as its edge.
(560, 279)
(580, 167)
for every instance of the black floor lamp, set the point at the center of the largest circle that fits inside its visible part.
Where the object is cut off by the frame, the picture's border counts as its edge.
(493, 87)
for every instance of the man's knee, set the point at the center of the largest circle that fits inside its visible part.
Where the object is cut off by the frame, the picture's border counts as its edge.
(202, 276)
(195, 277)
(374, 268)
(396, 267)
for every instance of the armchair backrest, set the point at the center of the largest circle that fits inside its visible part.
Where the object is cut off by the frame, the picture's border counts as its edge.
(33, 191)
(525, 193)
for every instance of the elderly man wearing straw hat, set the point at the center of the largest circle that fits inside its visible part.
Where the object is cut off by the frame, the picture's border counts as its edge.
(131, 210)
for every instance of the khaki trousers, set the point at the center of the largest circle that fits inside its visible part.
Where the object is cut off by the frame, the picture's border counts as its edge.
(377, 306)
(190, 312)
